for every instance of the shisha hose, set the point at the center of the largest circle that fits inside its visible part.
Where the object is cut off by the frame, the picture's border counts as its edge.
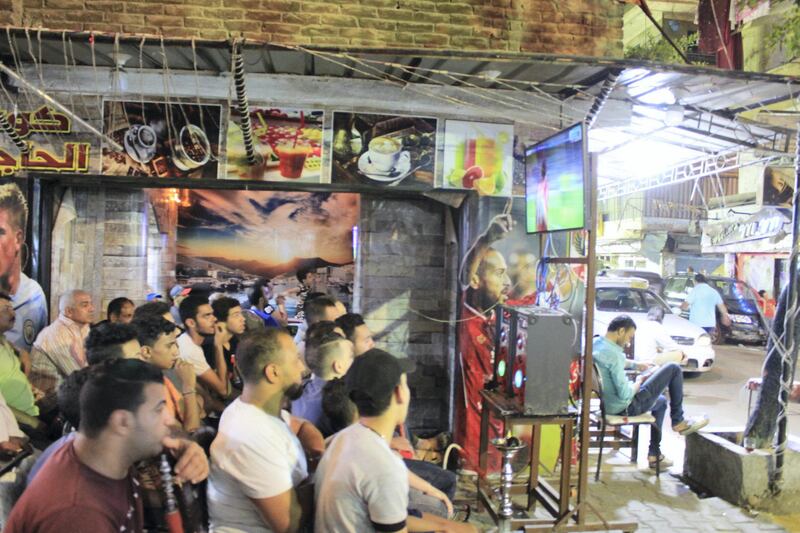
(241, 96)
(172, 515)
(6, 126)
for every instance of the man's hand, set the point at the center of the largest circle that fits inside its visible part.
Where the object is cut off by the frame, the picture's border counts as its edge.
(499, 227)
(402, 445)
(185, 372)
(433, 492)
(220, 334)
(644, 366)
(192, 462)
(726, 320)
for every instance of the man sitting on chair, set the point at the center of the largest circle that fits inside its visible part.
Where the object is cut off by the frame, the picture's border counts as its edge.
(621, 397)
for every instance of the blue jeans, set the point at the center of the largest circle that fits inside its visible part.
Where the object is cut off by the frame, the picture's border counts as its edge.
(650, 398)
(444, 480)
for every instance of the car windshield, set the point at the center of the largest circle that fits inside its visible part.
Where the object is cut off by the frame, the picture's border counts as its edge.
(628, 300)
(732, 290)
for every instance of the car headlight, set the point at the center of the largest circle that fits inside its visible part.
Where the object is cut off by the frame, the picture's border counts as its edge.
(703, 340)
(741, 319)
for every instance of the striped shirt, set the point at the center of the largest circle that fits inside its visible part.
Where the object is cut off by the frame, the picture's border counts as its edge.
(57, 352)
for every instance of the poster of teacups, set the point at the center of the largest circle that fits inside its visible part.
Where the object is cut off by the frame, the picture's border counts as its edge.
(287, 143)
(479, 156)
(164, 140)
(384, 150)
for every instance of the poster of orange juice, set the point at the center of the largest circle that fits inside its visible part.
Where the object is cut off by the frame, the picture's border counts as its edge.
(479, 156)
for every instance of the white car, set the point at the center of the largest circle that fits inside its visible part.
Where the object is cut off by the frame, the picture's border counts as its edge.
(631, 296)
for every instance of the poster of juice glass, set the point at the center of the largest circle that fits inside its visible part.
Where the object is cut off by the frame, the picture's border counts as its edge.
(479, 155)
(288, 145)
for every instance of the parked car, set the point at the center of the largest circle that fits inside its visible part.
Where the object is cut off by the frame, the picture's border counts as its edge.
(632, 297)
(655, 280)
(747, 324)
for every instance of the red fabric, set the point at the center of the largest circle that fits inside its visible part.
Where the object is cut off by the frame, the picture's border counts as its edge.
(475, 334)
(66, 495)
(716, 36)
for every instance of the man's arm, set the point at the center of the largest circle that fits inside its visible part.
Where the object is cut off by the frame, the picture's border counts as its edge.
(288, 511)
(499, 227)
(430, 522)
(191, 409)
(724, 316)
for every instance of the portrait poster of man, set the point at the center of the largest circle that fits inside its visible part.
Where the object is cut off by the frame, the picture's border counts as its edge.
(27, 297)
(233, 241)
(500, 266)
(778, 186)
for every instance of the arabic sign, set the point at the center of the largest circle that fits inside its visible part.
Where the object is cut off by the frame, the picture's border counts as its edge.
(164, 140)
(53, 145)
(768, 222)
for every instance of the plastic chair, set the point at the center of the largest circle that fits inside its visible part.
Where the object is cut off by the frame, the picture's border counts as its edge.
(616, 421)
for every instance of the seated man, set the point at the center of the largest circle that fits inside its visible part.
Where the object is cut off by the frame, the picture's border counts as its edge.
(199, 321)
(231, 323)
(356, 332)
(154, 308)
(621, 397)
(112, 341)
(120, 310)
(14, 384)
(59, 348)
(320, 307)
(361, 485)
(259, 477)
(123, 421)
(329, 358)
(653, 342)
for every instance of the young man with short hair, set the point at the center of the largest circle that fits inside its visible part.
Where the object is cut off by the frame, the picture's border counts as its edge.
(199, 320)
(112, 341)
(259, 470)
(156, 308)
(231, 321)
(621, 397)
(120, 310)
(123, 420)
(156, 336)
(361, 484)
(357, 332)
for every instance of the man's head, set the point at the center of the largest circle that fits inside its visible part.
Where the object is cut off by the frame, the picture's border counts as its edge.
(197, 314)
(377, 384)
(112, 341)
(321, 329)
(269, 358)
(337, 405)
(68, 395)
(156, 335)
(357, 332)
(7, 314)
(305, 276)
(120, 310)
(260, 293)
(621, 330)
(522, 271)
(700, 278)
(77, 305)
(490, 282)
(331, 357)
(322, 308)
(13, 219)
(228, 312)
(155, 309)
(124, 401)
(656, 314)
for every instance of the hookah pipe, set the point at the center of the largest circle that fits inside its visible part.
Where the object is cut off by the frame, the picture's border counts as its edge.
(172, 515)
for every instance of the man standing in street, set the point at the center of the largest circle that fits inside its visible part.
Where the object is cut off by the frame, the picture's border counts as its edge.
(702, 302)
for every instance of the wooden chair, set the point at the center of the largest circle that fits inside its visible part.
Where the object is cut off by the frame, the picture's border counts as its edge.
(605, 421)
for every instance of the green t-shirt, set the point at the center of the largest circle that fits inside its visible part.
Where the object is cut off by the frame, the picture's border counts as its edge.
(14, 384)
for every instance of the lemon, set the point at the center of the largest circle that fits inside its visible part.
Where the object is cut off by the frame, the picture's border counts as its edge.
(502, 137)
(486, 186)
(499, 181)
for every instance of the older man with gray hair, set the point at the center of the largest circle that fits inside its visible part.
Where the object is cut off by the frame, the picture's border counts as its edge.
(59, 349)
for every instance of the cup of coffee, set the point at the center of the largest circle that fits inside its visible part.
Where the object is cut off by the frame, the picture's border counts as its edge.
(384, 152)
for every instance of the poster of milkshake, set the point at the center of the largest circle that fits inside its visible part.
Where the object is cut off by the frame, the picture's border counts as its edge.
(479, 156)
(166, 140)
(384, 150)
(287, 143)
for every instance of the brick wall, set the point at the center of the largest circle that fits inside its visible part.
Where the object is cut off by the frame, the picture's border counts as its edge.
(404, 266)
(587, 27)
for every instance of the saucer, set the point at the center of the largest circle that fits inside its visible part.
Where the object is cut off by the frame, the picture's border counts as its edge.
(400, 171)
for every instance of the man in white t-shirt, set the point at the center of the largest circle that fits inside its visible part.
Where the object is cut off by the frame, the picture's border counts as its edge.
(198, 319)
(361, 485)
(259, 474)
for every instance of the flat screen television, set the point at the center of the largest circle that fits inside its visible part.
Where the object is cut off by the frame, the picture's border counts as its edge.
(556, 173)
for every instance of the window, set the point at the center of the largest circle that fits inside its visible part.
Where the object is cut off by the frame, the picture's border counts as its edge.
(651, 300)
(675, 286)
(620, 299)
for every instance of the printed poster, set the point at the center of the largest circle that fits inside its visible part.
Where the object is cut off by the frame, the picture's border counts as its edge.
(287, 142)
(479, 156)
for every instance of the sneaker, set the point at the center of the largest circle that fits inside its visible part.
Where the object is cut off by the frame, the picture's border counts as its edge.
(665, 463)
(690, 425)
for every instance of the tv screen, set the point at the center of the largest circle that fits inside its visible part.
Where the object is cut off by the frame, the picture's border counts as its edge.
(555, 177)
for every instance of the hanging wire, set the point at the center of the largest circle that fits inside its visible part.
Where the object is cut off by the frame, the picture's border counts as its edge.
(241, 97)
(9, 130)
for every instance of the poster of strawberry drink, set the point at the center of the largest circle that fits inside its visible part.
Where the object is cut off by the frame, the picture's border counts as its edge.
(479, 156)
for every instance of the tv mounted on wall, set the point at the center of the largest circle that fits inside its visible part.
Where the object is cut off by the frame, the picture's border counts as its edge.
(556, 173)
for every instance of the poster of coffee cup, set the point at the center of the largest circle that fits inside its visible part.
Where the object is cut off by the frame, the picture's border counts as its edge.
(479, 156)
(287, 144)
(162, 140)
(384, 150)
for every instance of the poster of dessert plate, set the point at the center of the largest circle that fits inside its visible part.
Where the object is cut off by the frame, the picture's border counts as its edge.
(287, 143)
(479, 156)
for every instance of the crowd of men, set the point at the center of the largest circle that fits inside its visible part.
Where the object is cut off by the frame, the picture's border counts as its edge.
(275, 433)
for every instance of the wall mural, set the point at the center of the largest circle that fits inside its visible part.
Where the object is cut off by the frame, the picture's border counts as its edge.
(162, 140)
(288, 143)
(230, 240)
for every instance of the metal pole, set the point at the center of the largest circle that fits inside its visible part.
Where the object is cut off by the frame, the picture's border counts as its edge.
(790, 336)
(61, 107)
